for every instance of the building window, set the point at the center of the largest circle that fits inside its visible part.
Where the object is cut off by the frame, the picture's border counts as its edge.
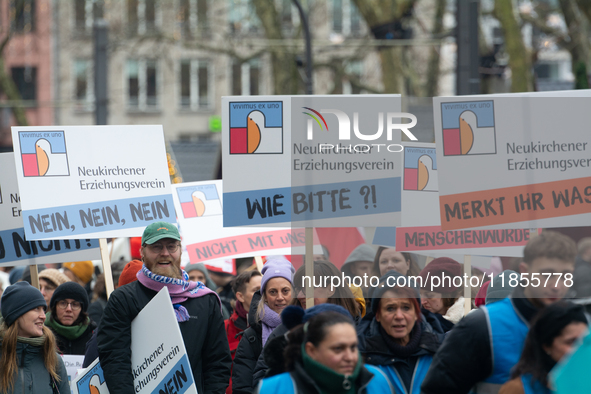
(22, 16)
(142, 85)
(346, 18)
(246, 78)
(83, 85)
(142, 16)
(288, 12)
(354, 70)
(196, 92)
(243, 17)
(194, 17)
(85, 13)
(25, 79)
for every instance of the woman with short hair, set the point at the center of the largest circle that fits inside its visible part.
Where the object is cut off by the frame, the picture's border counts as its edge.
(28, 359)
(397, 339)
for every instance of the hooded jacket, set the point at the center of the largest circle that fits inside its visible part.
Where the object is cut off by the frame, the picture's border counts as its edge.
(248, 351)
(376, 352)
(32, 377)
(204, 337)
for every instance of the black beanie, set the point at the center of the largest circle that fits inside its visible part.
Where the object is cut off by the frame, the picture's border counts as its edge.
(70, 290)
(18, 299)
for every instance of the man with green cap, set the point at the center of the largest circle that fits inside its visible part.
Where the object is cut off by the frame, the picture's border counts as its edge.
(197, 309)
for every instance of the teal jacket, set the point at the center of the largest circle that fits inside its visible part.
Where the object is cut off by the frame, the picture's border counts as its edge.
(32, 377)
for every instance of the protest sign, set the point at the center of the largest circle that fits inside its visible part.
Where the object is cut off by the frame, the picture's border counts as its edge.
(508, 161)
(200, 215)
(421, 227)
(159, 362)
(14, 248)
(91, 181)
(334, 160)
(90, 381)
(570, 374)
(73, 363)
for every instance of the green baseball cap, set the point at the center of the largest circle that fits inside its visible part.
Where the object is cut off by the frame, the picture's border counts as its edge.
(160, 230)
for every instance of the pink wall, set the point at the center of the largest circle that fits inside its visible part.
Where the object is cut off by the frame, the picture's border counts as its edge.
(32, 49)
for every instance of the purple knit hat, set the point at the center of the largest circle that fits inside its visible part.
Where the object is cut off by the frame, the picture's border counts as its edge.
(276, 268)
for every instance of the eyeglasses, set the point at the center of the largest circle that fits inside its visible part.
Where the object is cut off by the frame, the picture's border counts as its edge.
(63, 304)
(157, 248)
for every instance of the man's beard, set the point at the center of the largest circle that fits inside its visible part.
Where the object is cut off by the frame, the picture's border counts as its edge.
(171, 271)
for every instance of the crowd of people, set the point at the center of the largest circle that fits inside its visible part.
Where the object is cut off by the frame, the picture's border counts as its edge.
(252, 332)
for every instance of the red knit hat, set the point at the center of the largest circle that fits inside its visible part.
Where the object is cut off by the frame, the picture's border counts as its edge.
(442, 265)
(129, 272)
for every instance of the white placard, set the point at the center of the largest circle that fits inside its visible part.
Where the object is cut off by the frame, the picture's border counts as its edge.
(311, 161)
(421, 230)
(200, 215)
(159, 360)
(90, 380)
(73, 363)
(91, 181)
(514, 160)
(14, 249)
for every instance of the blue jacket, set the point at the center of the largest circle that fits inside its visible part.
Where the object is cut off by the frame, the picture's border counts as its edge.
(405, 374)
(370, 381)
(507, 332)
(469, 360)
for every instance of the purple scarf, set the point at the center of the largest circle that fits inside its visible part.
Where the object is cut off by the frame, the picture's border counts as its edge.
(271, 320)
(180, 290)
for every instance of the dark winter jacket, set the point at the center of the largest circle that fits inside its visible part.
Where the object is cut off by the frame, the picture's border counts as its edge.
(91, 351)
(32, 377)
(465, 357)
(204, 336)
(370, 381)
(95, 310)
(235, 325)
(75, 346)
(248, 351)
(376, 352)
(273, 349)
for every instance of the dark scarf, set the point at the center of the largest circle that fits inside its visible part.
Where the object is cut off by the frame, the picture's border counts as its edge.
(69, 332)
(328, 380)
(403, 351)
(240, 311)
(524, 306)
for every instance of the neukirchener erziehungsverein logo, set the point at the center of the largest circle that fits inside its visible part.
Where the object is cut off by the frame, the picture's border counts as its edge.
(43, 153)
(256, 127)
(468, 128)
(199, 200)
(420, 169)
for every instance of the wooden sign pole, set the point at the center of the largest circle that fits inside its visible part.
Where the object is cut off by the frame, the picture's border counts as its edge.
(106, 266)
(309, 270)
(467, 287)
(259, 262)
(34, 275)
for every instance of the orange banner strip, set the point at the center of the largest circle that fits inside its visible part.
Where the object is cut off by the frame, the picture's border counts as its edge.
(516, 204)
